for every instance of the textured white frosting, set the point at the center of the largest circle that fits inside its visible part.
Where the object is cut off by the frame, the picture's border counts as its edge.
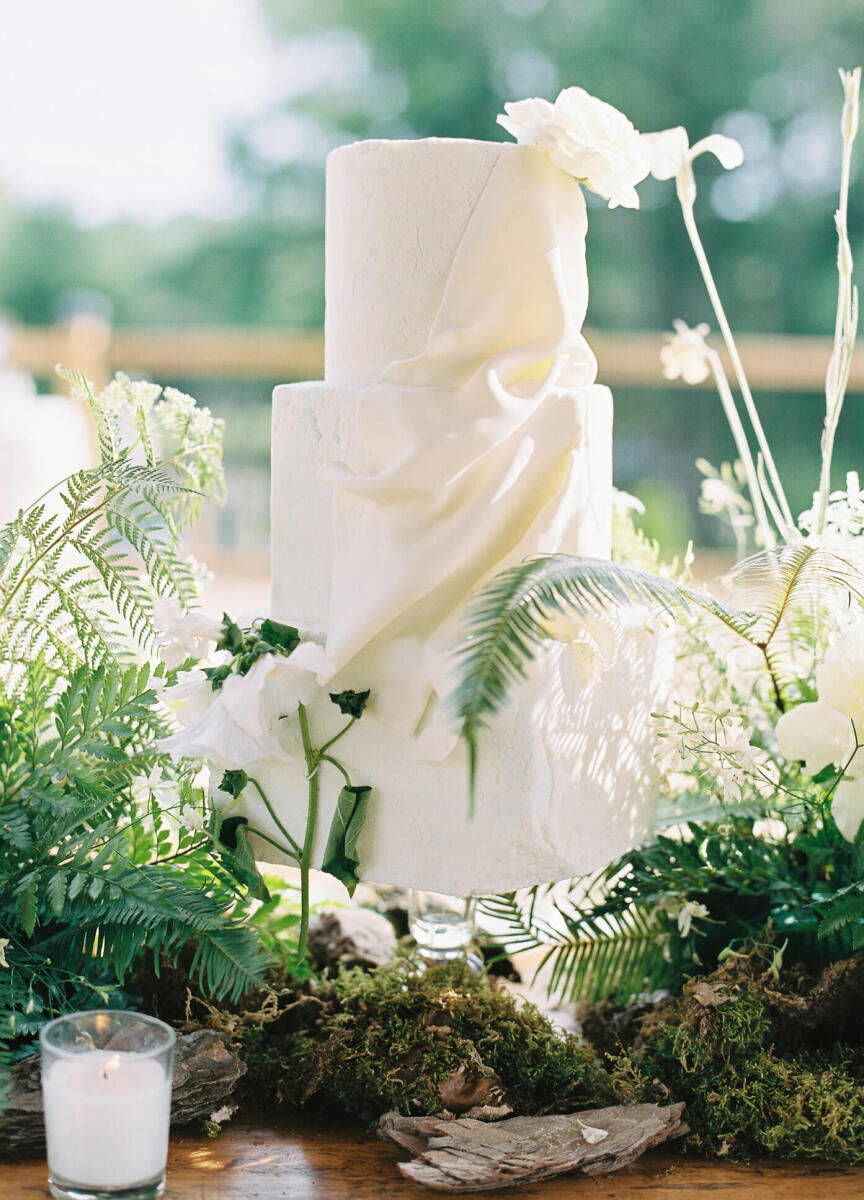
(397, 212)
(459, 430)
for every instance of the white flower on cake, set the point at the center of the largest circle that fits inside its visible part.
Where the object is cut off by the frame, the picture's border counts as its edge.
(182, 634)
(240, 720)
(826, 731)
(585, 137)
(672, 157)
(686, 355)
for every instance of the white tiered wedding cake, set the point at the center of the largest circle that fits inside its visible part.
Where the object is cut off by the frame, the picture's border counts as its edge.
(458, 430)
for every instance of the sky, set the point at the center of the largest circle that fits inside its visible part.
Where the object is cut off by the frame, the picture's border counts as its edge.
(121, 109)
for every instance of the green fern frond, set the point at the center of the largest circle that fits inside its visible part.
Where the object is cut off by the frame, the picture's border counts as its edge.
(589, 955)
(513, 615)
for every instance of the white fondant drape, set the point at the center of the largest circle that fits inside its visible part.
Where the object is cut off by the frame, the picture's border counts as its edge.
(473, 451)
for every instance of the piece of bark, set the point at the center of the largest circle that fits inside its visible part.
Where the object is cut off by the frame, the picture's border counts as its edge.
(463, 1155)
(472, 1086)
(351, 937)
(206, 1071)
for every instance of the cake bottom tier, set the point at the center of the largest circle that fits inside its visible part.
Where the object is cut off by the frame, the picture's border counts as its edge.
(565, 776)
(565, 781)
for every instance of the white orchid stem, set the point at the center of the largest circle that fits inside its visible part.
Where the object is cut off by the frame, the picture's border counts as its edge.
(846, 323)
(766, 492)
(743, 448)
(788, 529)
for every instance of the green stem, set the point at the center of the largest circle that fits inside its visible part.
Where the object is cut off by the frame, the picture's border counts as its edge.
(311, 820)
(336, 737)
(335, 763)
(276, 820)
(266, 838)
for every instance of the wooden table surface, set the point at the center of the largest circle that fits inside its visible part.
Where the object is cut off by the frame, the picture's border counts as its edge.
(307, 1159)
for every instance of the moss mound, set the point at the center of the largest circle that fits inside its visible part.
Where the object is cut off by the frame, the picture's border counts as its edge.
(766, 1064)
(394, 1039)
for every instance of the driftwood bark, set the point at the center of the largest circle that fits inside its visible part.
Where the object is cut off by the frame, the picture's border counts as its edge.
(206, 1071)
(464, 1155)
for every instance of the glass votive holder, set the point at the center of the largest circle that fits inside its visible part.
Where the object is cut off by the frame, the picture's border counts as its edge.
(443, 928)
(106, 1090)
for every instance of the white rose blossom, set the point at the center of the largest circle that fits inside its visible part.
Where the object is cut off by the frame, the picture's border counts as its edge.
(4, 942)
(240, 722)
(825, 732)
(585, 137)
(182, 634)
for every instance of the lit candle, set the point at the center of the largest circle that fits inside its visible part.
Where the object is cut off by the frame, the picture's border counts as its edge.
(106, 1084)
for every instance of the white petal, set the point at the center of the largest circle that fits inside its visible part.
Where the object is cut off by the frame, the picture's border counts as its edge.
(669, 150)
(312, 657)
(592, 1134)
(521, 117)
(815, 734)
(847, 807)
(726, 149)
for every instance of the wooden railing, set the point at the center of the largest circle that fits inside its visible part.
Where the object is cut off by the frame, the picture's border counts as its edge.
(794, 364)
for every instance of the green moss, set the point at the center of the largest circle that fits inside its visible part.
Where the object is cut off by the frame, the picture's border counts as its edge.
(766, 1066)
(368, 1043)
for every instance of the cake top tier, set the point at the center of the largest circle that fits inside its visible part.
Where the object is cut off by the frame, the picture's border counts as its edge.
(412, 224)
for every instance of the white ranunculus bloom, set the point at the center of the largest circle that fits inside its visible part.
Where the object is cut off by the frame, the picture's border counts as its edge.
(182, 634)
(585, 137)
(816, 735)
(847, 807)
(685, 355)
(672, 157)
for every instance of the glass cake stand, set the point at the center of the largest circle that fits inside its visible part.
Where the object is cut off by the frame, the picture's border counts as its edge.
(443, 928)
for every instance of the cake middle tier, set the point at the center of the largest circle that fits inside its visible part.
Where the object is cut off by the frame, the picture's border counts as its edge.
(318, 424)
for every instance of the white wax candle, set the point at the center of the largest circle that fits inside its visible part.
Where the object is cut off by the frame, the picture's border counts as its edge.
(106, 1118)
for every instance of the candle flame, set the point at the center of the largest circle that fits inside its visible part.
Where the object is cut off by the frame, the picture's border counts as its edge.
(113, 1064)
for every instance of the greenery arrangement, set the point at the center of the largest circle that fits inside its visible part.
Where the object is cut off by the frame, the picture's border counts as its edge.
(758, 755)
(99, 854)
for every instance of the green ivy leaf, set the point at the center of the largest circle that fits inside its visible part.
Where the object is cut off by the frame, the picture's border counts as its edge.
(283, 637)
(350, 703)
(340, 853)
(233, 782)
(238, 857)
(232, 636)
(217, 675)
